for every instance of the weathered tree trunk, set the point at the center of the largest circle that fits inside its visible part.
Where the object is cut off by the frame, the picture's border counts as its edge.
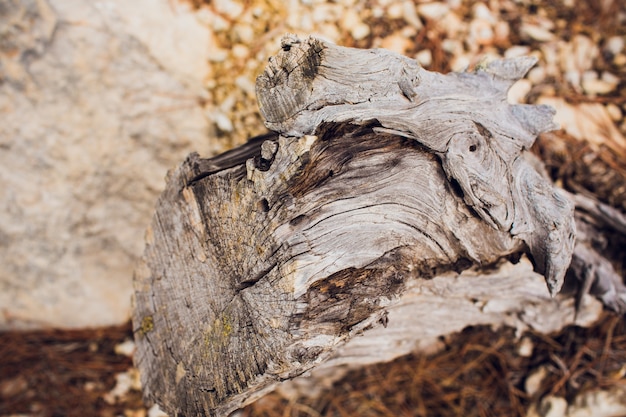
(385, 182)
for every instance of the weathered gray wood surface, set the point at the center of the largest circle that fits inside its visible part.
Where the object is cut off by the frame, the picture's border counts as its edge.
(384, 176)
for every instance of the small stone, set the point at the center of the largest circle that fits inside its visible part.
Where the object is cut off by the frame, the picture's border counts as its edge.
(126, 348)
(452, 46)
(395, 11)
(230, 8)
(614, 112)
(360, 31)
(90, 386)
(481, 11)
(433, 11)
(525, 347)
(614, 45)
(123, 384)
(329, 32)
(396, 43)
(501, 32)
(589, 76)
(599, 402)
(218, 55)
(595, 87)
(240, 51)
(244, 33)
(536, 75)
(408, 32)
(453, 26)
(328, 12)
(534, 380)
(352, 22)
(584, 52)
(424, 57)
(552, 406)
(610, 78)
(536, 33)
(460, 62)
(480, 33)
(378, 12)
(410, 14)
(223, 122)
(245, 84)
(517, 51)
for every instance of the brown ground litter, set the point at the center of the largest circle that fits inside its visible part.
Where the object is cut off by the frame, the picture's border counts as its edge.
(478, 373)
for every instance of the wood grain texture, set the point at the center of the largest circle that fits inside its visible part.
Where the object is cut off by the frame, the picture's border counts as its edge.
(463, 118)
(383, 176)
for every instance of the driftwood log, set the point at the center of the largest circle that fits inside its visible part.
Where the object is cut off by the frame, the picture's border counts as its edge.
(382, 182)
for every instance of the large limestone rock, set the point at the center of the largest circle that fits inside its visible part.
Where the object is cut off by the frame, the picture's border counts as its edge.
(94, 109)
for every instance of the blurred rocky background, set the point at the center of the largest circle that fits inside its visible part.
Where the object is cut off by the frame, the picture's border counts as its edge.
(98, 99)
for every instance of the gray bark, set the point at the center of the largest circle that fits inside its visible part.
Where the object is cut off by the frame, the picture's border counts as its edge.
(383, 183)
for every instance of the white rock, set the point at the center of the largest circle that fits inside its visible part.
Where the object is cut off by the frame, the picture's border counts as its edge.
(124, 383)
(433, 11)
(501, 31)
(410, 14)
(408, 32)
(240, 51)
(614, 45)
(534, 379)
(212, 20)
(584, 52)
(328, 12)
(552, 406)
(397, 43)
(574, 78)
(614, 112)
(222, 121)
(481, 11)
(525, 347)
(536, 75)
(173, 34)
(126, 348)
(599, 403)
(452, 46)
(460, 62)
(352, 21)
(378, 12)
(244, 33)
(424, 57)
(480, 33)
(246, 85)
(593, 85)
(88, 132)
(360, 31)
(230, 8)
(610, 78)
(395, 11)
(537, 33)
(517, 51)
